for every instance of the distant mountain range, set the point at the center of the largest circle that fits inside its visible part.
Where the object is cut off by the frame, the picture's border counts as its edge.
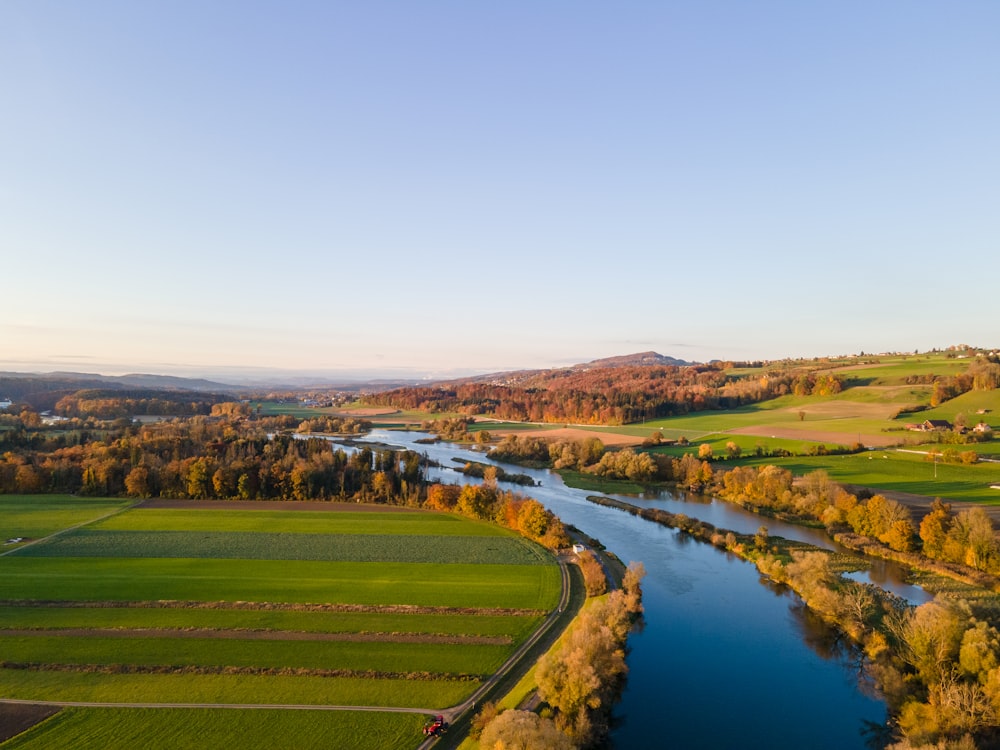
(30, 386)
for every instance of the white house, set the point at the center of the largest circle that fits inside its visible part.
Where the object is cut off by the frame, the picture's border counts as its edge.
(6, 404)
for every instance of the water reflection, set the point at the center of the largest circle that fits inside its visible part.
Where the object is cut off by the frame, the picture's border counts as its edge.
(722, 661)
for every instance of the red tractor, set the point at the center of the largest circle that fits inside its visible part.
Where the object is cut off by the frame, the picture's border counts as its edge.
(435, 726)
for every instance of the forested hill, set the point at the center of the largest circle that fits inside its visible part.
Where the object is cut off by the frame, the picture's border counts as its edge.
(641, 359)
(603, 394)
(45, 392)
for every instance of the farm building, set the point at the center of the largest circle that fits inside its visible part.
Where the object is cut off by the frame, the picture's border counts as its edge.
(930, 425)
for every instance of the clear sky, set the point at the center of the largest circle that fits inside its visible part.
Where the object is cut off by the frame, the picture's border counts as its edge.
(435, 187)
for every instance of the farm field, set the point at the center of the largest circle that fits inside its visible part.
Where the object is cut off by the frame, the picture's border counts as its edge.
(28, 517)
(195, 606)
(169, 729)
(903, 472)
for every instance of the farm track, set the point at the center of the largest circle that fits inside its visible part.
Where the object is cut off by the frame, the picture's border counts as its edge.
(258, 635)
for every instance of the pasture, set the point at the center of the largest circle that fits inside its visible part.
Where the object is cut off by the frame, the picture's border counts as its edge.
(248, 607)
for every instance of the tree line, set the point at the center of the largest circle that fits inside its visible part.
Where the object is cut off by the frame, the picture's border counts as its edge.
(115, 403)
(203, 458)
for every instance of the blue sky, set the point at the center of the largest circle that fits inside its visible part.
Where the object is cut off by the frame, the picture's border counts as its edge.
(443, 187)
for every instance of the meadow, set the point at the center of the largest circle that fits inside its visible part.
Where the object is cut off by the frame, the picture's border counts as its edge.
(254, 607)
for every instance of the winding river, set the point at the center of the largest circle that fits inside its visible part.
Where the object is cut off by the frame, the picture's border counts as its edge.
(725, 659)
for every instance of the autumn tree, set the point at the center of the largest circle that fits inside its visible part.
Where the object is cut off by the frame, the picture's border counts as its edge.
(522, 730)
(581, 678)
(594, 578)
(632, 587)
(476, 501)
(442, 496)
(625, 464)
(137, 482)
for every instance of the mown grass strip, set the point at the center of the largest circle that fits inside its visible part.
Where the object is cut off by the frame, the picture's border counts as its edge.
(281, 546)
(435, 658)
(170, 729)
(300, 522)
(533, 587)
(60, 685)
(515, 627)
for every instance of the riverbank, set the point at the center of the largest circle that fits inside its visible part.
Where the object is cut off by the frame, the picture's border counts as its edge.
(712, 627)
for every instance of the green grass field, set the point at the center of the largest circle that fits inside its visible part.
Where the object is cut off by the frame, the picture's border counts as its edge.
(129, 589)
(511, 626)
(37, 516)
(507, 550)
(193, 579)
(174, 729)
(905, 472)
(149, 651)
(299, 522)
(231, 688)
(894, 370)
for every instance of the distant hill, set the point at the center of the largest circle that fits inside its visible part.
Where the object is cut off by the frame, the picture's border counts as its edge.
(132, 380)
(43, 390)
(641, 359)
(145, 380)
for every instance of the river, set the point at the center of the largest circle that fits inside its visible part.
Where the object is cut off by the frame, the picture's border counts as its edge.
(725, 659)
